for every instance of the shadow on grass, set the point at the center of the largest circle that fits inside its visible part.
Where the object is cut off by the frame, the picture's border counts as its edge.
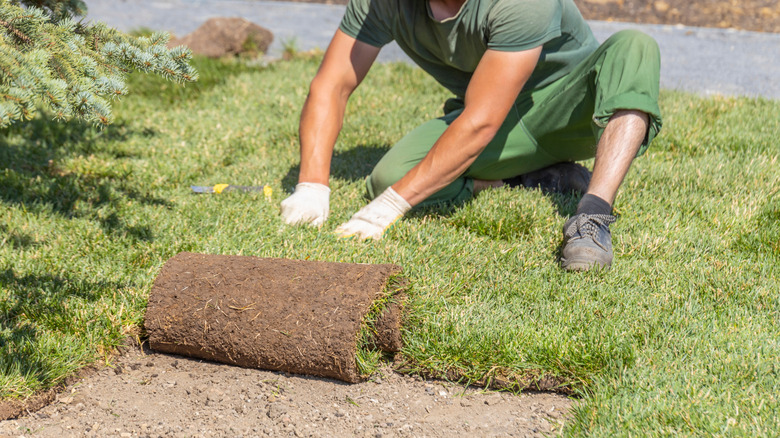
(17, 240)
(212, 73)
(30, 176)
(352, 165)
(37, 319)
(764, 239)
(565, 204)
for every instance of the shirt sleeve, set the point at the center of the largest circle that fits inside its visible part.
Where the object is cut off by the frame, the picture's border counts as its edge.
(517, 25)
(367, 21)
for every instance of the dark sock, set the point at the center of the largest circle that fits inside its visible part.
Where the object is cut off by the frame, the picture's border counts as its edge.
(592, 204)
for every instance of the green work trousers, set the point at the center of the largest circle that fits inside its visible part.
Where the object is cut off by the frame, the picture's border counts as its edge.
(560, 122)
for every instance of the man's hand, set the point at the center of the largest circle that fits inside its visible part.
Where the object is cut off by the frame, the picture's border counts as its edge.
(309, 204)
(375, 218)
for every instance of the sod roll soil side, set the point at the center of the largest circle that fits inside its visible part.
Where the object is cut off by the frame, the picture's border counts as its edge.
(287, 315)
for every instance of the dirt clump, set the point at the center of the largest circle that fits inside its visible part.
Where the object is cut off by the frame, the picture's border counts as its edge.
(223, 36)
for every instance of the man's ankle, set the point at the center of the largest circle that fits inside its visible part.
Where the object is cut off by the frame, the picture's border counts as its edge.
(592, 204)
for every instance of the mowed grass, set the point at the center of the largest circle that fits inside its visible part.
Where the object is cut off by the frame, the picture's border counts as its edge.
(679, 338)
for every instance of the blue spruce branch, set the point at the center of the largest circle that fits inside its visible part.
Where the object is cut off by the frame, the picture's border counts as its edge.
(74, 69)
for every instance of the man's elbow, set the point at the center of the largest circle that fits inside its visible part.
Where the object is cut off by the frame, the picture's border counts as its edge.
(325, 87)
(483, 129)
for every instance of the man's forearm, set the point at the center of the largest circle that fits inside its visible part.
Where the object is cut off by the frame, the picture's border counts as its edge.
(321, 121)
(449, 158)
(492, 91)
(452, 154)
(344, 66)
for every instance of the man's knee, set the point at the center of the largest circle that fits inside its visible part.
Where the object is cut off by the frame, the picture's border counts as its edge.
(630, 42)
(380, 179)
(629, 79)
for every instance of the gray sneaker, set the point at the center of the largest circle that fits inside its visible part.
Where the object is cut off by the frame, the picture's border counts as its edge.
(587, 242)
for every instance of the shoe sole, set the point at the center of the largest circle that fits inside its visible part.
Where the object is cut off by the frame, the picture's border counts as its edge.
(584, 265)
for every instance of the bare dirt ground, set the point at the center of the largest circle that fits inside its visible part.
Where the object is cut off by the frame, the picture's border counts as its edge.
(145, 394)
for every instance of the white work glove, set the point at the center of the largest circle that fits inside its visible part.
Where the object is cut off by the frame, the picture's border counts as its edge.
(375, 218)
(307, 205)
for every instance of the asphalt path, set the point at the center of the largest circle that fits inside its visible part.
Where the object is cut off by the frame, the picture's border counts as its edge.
(701, 60)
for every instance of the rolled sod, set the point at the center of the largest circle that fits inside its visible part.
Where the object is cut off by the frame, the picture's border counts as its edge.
(302, 317)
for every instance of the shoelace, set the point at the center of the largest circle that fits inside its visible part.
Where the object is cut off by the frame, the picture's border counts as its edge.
(587, 225)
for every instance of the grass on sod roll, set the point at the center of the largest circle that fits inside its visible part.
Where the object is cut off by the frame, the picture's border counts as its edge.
(680, 337)
(369, 356)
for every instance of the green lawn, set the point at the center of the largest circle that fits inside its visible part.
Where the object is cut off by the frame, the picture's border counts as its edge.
(680, 337)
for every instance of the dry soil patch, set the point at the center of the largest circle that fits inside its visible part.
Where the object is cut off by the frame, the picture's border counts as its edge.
(150, 395)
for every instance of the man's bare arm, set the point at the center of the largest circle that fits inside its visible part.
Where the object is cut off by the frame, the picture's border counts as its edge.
(344, 66)
(498, 79)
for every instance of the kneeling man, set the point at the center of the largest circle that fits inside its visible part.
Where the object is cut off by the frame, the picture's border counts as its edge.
(533, 89)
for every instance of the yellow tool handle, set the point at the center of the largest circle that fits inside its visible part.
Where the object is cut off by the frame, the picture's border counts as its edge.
(220, 187)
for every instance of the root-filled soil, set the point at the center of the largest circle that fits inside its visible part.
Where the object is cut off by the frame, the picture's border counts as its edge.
(302, 317)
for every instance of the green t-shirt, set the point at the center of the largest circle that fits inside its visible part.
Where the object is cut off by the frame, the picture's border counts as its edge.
(450, 50)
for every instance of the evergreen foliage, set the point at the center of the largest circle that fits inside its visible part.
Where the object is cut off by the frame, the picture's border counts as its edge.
(72, 68)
